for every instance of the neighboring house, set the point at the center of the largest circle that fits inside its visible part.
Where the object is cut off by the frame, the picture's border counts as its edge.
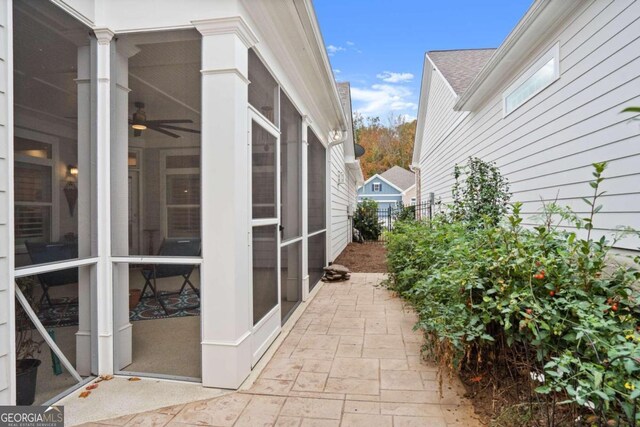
(346, 177)
(389, 189)
(179, 141)
(544, 106)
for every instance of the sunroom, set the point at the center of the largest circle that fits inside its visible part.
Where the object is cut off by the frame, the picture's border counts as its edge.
(166, 177)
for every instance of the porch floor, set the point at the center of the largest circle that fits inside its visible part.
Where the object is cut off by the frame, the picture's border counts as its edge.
(351, 359)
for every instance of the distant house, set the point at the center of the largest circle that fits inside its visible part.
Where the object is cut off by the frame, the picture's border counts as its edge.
(396, 185)
(543, 106)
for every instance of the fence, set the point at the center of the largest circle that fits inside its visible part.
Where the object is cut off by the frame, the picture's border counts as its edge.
(385, 218)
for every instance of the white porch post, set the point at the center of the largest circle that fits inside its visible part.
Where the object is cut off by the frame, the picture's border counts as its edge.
(305, 207)
(225, 299)
(103, 220)
(83, 334)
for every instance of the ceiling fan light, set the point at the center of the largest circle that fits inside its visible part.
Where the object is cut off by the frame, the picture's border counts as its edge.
(138, 126)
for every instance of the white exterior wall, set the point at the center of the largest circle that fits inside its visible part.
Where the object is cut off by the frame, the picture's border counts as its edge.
(7, 339)
(546, 147)
(339, 200)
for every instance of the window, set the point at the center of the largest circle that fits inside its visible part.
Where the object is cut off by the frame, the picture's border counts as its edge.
(544, 72)
(376, 186)
(182, 196)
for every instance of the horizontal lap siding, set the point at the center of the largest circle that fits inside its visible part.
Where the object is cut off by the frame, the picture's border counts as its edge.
(6, 374)
(339, 202)
(546, 147)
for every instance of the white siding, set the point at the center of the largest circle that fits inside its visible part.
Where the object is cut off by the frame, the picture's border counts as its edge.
(546, 147)
(339, 201)
(6, 294)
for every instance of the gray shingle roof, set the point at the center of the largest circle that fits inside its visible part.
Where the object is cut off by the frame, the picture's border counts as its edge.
(400, 177)
(460, 67)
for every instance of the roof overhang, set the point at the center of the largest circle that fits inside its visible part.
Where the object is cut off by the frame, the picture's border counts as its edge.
(542, 18)
(291, 32)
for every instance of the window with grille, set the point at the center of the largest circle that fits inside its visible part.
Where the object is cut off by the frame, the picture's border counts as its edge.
(33, 170)
(182, 196)
(376, 186)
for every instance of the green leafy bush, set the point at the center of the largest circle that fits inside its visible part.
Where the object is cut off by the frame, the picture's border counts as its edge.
(480, 192)
(366, 220)
(542, 303)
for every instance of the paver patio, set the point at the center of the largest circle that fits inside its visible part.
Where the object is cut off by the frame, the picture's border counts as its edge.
(352, 359)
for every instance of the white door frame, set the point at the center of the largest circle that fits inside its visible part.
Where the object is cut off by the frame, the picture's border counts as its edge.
(267, 329)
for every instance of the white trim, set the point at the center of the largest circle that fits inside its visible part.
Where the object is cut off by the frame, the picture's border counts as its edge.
(235, 71)
(54, 266)
(315, 233)
(235, 343)
(286, 243)
(552, 54)
(231, 25)
(156, 260)
(383, 179)
(264, 122)
(9, 128)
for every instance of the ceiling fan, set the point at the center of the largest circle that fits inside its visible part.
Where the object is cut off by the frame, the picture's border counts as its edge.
(139, 123)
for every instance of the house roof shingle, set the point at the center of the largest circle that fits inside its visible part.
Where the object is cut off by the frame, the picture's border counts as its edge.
(460, 67)
(400, 177)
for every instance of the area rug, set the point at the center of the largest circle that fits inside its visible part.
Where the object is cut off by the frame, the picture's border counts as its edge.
(149, 308)
(65, 310)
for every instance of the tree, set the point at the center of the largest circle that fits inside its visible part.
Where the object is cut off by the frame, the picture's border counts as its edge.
(385, 145)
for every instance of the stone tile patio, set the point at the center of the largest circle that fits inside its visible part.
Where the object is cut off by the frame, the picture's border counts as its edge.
(352, 359)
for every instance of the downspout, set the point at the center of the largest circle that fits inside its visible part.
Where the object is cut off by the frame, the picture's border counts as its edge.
(416, 169)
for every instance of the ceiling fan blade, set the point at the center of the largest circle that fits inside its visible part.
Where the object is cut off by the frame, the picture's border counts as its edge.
(178, 128)
(169, 121)
(157, 129)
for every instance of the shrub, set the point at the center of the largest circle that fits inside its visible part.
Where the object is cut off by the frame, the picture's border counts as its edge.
(366, 220)
(540, 303)
(480, 192)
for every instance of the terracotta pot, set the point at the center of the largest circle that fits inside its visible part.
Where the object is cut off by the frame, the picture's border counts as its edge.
(134, 297)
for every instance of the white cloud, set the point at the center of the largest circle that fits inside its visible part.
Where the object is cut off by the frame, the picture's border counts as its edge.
(332, 49)
(391, 77)
(336, 71)
(382, 99)
(349, 43)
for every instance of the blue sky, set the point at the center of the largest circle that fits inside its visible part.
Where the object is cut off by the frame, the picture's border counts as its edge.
(379, 45)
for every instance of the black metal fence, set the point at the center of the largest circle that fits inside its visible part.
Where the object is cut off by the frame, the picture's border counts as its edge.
(387, 217)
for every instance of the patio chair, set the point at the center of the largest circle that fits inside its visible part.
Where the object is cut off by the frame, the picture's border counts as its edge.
(42, 253)
(176, 248)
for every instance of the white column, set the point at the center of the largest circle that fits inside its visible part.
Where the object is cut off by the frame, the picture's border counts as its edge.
(305, 207)
(123, 329)
(103, 202)
(225, 287)
(83, 335)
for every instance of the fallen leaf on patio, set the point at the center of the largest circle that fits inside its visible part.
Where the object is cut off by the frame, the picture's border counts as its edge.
(92, 387)
(106, 377)
(134, 379)
(476, 379)
(84, 394)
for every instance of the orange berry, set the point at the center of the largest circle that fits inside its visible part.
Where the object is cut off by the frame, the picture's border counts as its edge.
(552, 293)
